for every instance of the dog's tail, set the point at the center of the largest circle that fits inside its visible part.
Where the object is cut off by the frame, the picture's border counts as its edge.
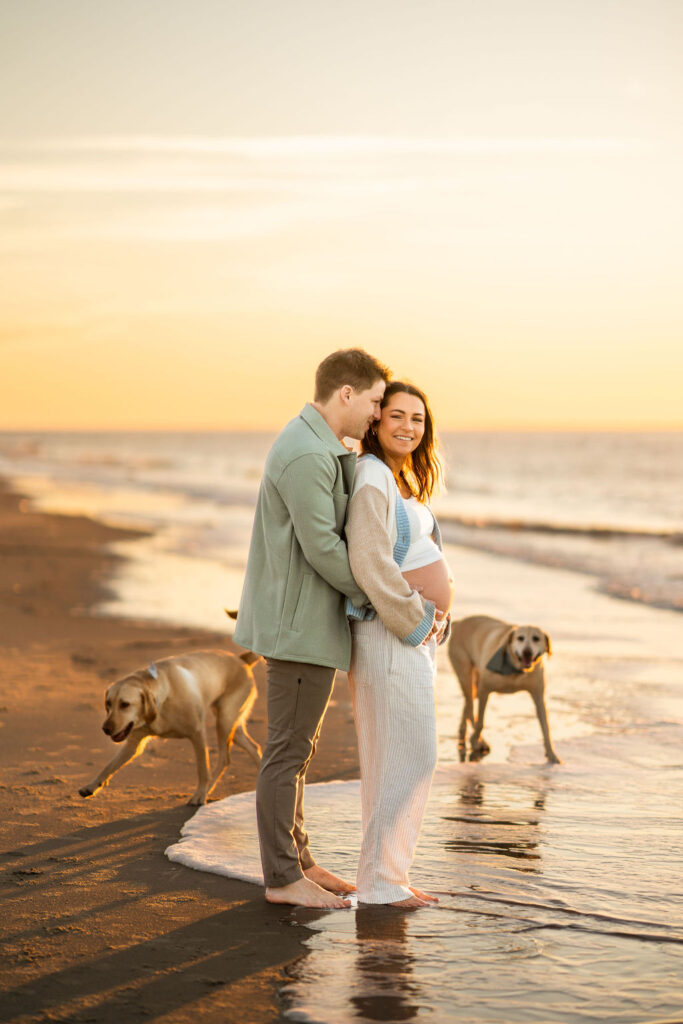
(250, 658)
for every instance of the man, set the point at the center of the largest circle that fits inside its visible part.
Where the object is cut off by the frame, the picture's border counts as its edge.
(293, 608)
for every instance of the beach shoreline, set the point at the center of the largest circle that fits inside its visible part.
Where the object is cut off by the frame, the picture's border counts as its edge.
(99, 924)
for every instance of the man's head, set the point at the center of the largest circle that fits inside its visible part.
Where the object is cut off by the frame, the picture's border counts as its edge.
(349, 386)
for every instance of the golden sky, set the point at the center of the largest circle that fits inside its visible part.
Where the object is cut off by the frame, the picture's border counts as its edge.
(199, 201)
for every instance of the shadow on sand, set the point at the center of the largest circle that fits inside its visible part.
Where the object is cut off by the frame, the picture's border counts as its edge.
(100, 926)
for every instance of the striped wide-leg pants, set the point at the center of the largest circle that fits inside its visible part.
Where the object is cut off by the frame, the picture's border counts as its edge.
(392, 689)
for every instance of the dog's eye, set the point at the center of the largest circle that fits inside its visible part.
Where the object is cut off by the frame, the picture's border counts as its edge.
(124, 704)
(536, 639)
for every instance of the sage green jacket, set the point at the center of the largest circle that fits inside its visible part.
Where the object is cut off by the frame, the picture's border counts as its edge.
(298, 575)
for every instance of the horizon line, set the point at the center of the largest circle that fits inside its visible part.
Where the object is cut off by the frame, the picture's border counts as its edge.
(510, 429)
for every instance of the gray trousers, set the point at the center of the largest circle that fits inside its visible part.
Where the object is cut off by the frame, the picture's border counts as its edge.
(297, 696)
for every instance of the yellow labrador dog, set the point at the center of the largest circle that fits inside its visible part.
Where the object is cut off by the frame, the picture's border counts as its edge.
(170, 699)
(491, 656)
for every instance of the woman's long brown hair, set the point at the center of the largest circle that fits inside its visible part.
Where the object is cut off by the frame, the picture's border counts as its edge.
(422, 469)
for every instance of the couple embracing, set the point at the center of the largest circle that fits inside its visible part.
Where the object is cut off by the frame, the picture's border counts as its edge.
(345, 571)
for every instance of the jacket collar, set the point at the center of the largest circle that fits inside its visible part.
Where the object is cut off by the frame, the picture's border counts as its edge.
(323, 430)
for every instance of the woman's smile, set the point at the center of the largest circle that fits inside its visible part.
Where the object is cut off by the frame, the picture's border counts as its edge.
(401, 427)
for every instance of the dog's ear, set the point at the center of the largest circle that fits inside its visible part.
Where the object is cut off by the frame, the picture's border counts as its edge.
(510, 636)
(549, 646)
(149, 705)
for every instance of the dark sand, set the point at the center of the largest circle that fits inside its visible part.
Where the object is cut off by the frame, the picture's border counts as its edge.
(97, 924)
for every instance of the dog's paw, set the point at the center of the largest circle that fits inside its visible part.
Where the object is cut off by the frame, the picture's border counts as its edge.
(197, 800)
(86, 791)
(479, 750)
(553, 758)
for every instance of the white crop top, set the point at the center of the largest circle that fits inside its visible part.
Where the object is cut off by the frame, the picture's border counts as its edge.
(423, 550)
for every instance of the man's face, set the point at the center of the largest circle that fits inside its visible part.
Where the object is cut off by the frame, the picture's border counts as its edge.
(363, 409)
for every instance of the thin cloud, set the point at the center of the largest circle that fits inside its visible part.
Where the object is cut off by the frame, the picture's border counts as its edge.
(330, 145)
(343, 165)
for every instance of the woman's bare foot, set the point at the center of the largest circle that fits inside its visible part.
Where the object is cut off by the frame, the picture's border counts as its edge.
(305, 893)
(326, 880)
(424, 895)
(410, 903)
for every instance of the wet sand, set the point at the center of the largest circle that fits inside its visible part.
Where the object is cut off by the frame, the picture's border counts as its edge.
(98, 924)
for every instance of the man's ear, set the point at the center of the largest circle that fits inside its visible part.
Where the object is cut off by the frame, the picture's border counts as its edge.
(149, 705)
(549, 646)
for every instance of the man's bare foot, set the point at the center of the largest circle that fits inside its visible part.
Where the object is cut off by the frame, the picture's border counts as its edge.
(424, 895)
(305, 893)
(326, 880)
(410, 903)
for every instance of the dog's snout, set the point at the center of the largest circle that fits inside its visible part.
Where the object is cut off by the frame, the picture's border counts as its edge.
(106, 729)
(527, 652)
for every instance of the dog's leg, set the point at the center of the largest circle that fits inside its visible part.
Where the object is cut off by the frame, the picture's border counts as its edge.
(479, 746)
(538, 697)
(469, 689)
(230, 719)
(198, 741)
(224, 743)
(245, 741)
(133, 746)
(464, 670)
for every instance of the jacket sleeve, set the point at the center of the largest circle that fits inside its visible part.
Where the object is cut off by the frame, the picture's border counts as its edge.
(400, 608)
(305, 486)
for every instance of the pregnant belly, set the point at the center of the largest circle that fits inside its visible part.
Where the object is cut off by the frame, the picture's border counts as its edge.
(434, 582)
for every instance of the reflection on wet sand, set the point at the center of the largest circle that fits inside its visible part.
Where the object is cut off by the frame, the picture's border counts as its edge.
(384, 967)
(373, 978)
(512, 829)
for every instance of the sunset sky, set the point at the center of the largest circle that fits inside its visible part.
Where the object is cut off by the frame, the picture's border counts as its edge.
(199, 201)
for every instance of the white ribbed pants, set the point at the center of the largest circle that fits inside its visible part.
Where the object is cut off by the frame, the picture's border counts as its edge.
(392, 689)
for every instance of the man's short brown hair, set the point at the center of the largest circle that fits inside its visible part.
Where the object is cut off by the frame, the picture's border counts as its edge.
(351, 366)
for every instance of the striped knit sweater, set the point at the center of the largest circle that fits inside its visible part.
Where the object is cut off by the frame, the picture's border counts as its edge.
(378, 538)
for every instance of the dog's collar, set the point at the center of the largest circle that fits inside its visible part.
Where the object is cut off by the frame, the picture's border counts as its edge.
(501, 663)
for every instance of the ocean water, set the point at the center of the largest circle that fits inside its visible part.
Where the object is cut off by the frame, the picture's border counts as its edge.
(606, 504)
(561, 888)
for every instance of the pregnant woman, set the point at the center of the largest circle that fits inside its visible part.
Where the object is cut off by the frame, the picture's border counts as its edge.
(395, 554)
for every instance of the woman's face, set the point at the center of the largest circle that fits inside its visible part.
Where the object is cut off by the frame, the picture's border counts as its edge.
(401, 426)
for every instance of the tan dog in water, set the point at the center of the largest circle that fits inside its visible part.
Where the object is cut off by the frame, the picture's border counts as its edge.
(492, 656)
(170, 699)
